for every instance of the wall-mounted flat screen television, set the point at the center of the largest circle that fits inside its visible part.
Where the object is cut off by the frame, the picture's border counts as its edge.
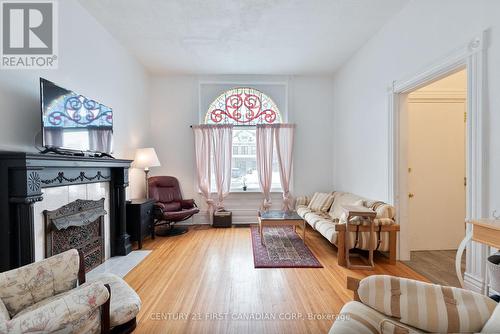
(74, 122)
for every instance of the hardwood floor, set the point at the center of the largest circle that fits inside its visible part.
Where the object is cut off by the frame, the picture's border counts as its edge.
(205, 282)
(438, 266)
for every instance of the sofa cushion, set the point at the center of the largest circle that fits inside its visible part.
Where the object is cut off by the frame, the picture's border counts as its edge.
(302, 200)
(321, 202)
(4, 314)
(341, 199)
(63, 295)
(302, 210)
(313, 217)
(493, 323)
(27, 285)
(356, 318)
(73, 311)
(383, 210)
(124, 304)
(327, 229)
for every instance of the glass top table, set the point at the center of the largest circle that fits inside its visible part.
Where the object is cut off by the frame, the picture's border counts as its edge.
(279, 215)
(280, 218)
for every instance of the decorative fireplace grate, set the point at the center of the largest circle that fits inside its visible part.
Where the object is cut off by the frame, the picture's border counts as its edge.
(80, 225)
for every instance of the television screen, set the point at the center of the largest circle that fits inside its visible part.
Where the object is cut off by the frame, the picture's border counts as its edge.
(74, 122)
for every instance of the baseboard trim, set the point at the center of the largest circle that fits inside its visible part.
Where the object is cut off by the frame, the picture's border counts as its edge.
(239, 217)
(202, 218)
(473, 283)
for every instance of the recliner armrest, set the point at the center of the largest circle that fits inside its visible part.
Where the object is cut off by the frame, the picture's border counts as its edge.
(188, 203)
(158, 208)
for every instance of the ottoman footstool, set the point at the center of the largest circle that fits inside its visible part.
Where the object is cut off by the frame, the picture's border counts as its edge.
(124, 303)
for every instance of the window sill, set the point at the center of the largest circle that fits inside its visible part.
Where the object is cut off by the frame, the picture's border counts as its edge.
(253, 191)
(247, 192)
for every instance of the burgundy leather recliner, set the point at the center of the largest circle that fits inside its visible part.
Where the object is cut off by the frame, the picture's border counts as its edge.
(170, 207)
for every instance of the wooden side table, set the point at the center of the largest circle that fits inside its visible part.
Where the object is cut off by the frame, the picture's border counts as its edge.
(139, 219)
(362, 212)
(485, 231)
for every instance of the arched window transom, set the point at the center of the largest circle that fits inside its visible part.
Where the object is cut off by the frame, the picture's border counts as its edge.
(243, 106)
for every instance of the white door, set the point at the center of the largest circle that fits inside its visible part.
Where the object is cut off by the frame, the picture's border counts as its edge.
(436, 174)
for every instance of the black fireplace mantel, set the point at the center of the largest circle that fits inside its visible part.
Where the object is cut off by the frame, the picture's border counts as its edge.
(22, 179)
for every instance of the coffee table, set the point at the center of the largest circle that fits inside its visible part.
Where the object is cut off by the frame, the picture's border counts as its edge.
(281, 218)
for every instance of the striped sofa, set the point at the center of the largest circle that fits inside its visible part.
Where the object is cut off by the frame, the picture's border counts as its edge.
(392, 305)
(324, 213)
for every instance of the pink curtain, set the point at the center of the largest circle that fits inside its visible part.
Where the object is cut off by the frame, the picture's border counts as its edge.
(203, 146)
(284, 135)
(213, 145)
(265, 162)
(222, 136)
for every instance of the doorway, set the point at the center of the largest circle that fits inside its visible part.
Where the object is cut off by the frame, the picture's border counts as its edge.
(469, 56)
(436, 175)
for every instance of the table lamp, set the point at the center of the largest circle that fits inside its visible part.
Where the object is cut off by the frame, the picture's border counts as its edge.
(146, 158)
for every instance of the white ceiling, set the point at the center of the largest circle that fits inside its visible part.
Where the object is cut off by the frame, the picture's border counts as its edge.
(243, 36)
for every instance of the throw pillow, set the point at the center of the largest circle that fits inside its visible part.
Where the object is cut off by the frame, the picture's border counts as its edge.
(321, 202)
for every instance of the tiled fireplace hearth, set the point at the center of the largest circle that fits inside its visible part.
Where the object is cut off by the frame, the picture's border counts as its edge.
(32, 183)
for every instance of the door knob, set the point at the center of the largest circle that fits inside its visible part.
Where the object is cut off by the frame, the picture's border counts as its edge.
(411, 195)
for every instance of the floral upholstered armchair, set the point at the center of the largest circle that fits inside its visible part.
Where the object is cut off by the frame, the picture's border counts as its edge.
(51, 296)
(393, 305)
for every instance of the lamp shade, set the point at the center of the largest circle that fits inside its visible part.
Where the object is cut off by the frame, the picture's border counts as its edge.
(146, 158)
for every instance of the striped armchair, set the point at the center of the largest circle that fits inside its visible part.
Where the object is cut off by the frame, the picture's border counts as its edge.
(389, 305)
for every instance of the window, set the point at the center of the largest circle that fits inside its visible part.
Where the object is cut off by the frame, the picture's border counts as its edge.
(244, 108)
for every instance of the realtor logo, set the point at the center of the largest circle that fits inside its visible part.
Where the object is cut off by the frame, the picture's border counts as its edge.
(28, 35)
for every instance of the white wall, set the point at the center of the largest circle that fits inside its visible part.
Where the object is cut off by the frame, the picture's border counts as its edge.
(424, 32)
(175, 106)
(93, 63)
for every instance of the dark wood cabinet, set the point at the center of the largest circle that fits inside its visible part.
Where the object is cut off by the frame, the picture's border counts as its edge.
(139, 219)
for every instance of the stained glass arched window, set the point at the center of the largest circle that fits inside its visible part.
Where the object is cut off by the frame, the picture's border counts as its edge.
(243, 106)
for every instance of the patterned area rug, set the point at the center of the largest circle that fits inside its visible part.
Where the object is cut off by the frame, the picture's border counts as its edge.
(283, 249)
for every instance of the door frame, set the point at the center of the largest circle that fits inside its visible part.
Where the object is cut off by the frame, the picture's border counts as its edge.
(470, 56)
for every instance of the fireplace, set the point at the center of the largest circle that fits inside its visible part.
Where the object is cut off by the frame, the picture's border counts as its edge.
(80, 225)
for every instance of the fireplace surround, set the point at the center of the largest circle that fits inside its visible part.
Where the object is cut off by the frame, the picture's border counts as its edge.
(23, 176)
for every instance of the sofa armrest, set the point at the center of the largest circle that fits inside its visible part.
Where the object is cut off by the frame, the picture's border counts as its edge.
(65, 314)
(410, 301)
(302, 200)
